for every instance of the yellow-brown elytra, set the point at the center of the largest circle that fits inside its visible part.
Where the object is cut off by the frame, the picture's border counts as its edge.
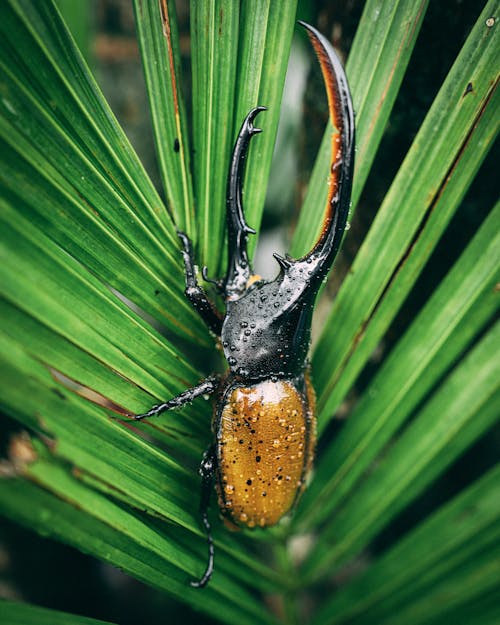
(264, 421)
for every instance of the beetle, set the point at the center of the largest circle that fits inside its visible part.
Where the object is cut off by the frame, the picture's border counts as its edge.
(264, 416)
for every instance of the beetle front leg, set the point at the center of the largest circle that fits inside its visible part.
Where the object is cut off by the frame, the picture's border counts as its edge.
(195, 293)
(207, 472)
(205, 387)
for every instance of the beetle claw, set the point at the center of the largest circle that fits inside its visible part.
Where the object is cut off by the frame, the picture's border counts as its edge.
(219, 284)
(251, 116)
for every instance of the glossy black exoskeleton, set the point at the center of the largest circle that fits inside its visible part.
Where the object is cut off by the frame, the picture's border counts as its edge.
(264, 422)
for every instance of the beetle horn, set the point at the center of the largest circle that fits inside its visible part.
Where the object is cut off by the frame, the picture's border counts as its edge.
(239, 268)
(322, 255)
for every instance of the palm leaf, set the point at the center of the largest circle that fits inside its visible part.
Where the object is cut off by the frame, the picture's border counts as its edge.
(19, 614)
(159, 40)
(95, 325)
(432, 553)
(402, 221)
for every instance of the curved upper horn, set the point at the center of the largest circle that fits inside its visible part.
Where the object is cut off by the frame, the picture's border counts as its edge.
(342, 160)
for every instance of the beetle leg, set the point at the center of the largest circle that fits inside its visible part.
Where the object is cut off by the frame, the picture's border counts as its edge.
(195, 293)
(238, 268)
(205, 387)
(207, 473)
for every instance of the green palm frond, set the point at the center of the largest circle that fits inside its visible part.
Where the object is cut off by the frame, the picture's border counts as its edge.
(94, 324)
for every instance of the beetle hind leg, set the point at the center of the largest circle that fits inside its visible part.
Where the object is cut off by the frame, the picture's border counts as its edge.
(207, 473)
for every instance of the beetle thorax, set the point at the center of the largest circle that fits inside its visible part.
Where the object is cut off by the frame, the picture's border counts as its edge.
(266, 332)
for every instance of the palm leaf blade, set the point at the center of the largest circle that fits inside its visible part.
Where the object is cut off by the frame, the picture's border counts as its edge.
(84, 163)
(386, 35)
(95, 324)
(158, 37)
(13, 613)
(425, 449)
(459, 310)
(390, 240)
(455, 534)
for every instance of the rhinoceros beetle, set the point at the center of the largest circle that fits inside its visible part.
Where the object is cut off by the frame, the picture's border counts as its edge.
(264, 417)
